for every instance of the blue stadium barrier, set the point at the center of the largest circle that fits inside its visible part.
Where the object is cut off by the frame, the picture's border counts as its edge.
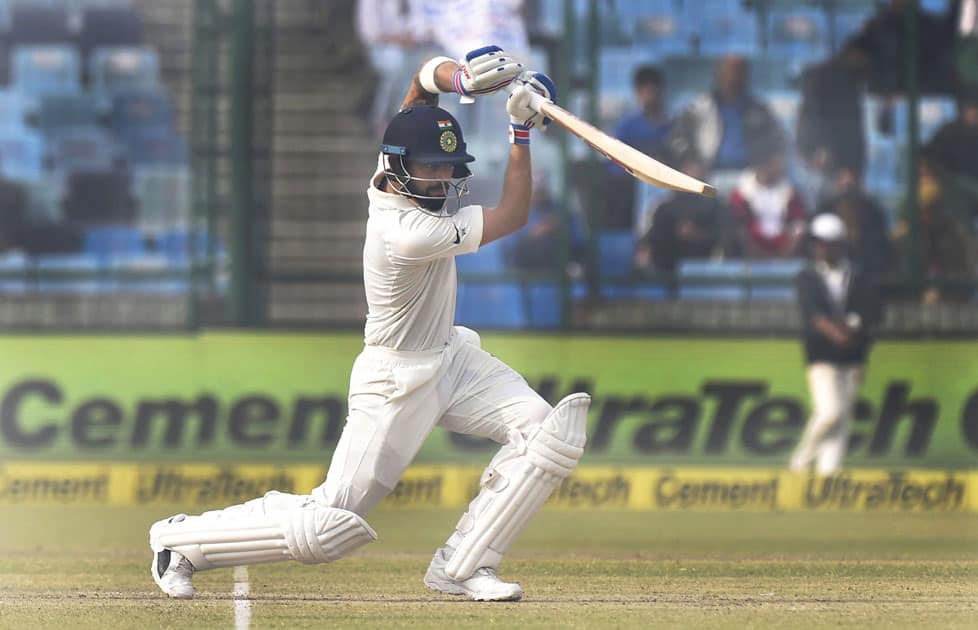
(727, 286)
(13, 263)
(117, 69)
(175, 246)
(41, 70)
(123, 275)
(714, 293)
(112, 241)
(541, 303)
(81, 263)
(21, 154)
(644, 292)
(490, 305)
(616, 250)
(489, 259)
(785, 268)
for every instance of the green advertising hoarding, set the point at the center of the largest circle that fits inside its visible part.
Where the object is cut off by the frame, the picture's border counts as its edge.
(234, 397)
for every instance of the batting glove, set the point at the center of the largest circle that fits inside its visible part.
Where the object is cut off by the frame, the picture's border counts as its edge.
(484, 71)
(522, 117)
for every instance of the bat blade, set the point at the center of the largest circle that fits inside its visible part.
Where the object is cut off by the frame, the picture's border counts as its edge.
(638, 164)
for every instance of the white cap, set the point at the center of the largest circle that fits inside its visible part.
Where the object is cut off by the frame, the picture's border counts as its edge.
(828, 227)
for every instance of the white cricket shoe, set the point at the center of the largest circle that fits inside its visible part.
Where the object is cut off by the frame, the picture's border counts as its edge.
(482, 586)
(172, 573)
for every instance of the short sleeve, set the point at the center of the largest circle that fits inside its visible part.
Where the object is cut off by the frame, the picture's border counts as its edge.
(423, 237)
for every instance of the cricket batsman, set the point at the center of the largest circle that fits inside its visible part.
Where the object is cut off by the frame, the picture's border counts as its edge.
(417, 370)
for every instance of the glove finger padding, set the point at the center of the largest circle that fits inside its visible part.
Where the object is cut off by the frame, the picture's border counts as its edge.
(518, 106)
(485, 70)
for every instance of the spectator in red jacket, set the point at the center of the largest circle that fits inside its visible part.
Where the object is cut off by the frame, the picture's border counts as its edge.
(767, 206)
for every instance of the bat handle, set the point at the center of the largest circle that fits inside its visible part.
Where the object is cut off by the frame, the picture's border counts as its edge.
(536, 100)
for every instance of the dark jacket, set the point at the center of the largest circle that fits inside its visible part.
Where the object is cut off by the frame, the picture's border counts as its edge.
(831, 115)
(862, 299)
(700, 128)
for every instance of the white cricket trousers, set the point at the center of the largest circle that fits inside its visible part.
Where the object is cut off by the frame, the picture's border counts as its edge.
(397, 398)
(833, 390)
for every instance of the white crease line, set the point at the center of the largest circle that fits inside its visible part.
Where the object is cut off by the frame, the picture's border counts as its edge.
(242, 605)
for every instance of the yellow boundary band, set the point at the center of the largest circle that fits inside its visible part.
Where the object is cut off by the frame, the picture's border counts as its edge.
(206, 486)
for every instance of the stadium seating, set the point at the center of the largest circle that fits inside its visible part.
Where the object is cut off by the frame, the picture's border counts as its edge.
(115, 69)
(153, 145)
(658, 28)
(777, 278)
(21, 154)
(85, 148)
(13, 109)
(616, 250)
(109, 26)
(723, 27)
(37, 24)
(111, 241)
(134, 109)
(712, 280)
(42, 70)
(541, 303)
(163, 193)
(58, 113)
(70, 273)
(13, 263)
(490, 305)
(799, 33)
(489, 259)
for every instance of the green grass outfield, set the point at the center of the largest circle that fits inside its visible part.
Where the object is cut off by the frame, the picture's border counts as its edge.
(88, 567)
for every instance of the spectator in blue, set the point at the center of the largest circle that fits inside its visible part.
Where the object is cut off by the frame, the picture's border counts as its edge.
(646, 129)
(723, 125)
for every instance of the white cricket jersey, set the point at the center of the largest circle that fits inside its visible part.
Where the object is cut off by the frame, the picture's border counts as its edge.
(409, 270)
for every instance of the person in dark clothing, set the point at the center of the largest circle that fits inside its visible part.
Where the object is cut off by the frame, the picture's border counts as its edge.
(954, 147)
(865, 220)
(13, 215)
(646, 129)
(723, 125)
(830, 130)
(884, 40)
(683, 226)
(946, 240)
(840, 310)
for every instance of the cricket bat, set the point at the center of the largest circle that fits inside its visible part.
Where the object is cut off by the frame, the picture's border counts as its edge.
(635, 162)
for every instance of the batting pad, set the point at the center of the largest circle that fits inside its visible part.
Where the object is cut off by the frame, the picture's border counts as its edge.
(513, 490)
(276, 527)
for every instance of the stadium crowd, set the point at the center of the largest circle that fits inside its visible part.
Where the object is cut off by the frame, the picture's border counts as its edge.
(827, 134)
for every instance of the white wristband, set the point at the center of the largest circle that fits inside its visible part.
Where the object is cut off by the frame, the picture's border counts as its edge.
(427, 74)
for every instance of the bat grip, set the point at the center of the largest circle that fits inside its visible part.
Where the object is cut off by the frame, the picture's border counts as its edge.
(536, 100)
